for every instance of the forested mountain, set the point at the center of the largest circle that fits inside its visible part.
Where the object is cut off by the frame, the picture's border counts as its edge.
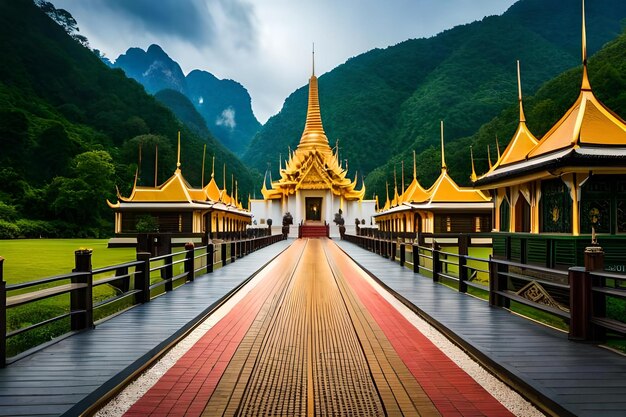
(385, 103)
(70, 129)
(225, 105)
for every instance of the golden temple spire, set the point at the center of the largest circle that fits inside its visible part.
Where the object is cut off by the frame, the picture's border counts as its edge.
(213, 168)
(489, 157)
(414, 166)
(178, 157)
(395, 180)
(522, 117)
(314, 136)
(443, 155)
(203, 158)
(585, 83)
(473, 177)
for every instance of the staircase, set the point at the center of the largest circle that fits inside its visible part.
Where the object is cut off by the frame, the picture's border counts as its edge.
(313, 230)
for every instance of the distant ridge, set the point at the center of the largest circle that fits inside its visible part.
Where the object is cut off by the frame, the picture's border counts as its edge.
(225, 105)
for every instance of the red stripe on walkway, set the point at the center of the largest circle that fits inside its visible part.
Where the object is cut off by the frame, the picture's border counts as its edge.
(186, 387)
(451, 389)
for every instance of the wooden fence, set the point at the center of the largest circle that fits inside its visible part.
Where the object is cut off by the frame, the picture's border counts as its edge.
(590, 301)
(134, 282)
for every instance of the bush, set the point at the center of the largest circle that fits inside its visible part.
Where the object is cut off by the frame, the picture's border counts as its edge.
(34, 228)
(7, 212)
(8, 230)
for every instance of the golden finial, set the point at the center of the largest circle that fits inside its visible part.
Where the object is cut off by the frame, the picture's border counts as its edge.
(156, 164)
(498, 147)
(213, 168)
(203, 158)
(403, 175)
(313, 61)
(387, 187)
(224, 176)
(585, 83)
(395, 180)
(473, 177)
(414, 166)
(522, 117)
(280, 162)
(443, 155)
(178, 157)
(489, 157)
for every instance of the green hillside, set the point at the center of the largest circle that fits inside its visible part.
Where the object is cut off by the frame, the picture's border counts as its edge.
(70, 128)
(383, 104)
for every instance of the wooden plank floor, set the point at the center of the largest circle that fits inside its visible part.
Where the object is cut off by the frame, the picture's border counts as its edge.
(574, 378)
(320, 341)
(69, 376)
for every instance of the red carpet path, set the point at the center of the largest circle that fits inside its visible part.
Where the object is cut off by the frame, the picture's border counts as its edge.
(186, 388)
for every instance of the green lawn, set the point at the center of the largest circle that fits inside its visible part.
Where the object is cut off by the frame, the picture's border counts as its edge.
(32, 259)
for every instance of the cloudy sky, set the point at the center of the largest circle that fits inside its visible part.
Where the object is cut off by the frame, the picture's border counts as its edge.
(266, 44)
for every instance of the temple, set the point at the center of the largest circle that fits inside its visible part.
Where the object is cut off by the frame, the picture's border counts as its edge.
(552, 194)
(443, 208)
(177, 208)
(313, 184)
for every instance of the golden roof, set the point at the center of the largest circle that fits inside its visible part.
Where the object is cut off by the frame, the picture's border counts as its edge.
(414, 193)
(523, 140)
(446, 190)
(588, 127)
(587, 123)
(313, 165)
(176, 189)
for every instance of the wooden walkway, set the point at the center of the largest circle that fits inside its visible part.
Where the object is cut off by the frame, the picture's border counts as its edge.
(568, 377)
(69, 376)
(320, 341)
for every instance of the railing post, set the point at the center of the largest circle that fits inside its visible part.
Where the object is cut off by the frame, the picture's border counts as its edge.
(168, 271)
(3, 316)
(142, 276)
(223, 254)
(497, 283)
(210, 254)
(81, 300)
(436, 263)
(579, 304)
(402, 254)
(233, 251)
(463, 251)
(190, 268)
(584, 305)
(416, 259)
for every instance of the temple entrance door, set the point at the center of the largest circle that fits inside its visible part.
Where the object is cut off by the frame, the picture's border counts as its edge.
(313, 208)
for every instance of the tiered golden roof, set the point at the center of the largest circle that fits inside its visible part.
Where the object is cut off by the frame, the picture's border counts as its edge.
(444, 191)
(587, 129)
(313, 165)
(176, 189)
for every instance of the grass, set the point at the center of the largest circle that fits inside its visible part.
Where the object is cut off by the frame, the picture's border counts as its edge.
(33, 259)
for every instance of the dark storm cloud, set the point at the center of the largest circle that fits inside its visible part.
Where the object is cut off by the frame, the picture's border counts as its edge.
(184, 19)
(195, 21)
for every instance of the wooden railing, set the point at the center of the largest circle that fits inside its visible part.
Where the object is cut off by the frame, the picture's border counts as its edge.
(579, 297)
(133, 282)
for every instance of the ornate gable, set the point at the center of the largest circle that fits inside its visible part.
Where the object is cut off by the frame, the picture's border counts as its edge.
(315, 178)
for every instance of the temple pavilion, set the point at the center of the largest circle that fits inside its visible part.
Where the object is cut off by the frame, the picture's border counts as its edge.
(445, 207)
(313, 185)
(550, 193)
(177, 208)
